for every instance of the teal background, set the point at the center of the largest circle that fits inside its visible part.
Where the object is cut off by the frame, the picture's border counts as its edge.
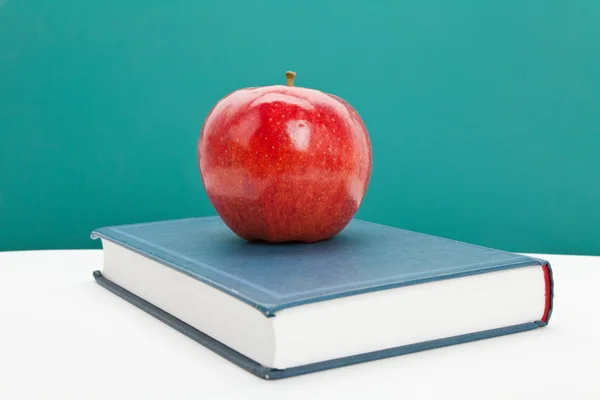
(484, 116)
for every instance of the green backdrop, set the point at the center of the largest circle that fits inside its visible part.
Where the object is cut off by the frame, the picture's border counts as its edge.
(484, 116)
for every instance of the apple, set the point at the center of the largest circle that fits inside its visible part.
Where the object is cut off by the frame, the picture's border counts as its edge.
(284, 163)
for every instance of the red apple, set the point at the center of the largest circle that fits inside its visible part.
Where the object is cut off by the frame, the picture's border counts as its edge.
(284, 163)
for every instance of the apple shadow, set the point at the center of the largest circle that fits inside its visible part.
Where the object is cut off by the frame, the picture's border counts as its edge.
(344, 241)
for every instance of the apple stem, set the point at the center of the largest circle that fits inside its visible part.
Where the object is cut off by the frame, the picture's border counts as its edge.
(290, 75)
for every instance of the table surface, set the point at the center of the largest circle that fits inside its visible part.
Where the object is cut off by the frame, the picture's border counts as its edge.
(62, 336)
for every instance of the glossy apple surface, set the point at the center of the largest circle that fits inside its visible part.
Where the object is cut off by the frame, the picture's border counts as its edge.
(284, 163)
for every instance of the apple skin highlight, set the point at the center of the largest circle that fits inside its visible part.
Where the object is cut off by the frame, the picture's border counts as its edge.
(284, 163)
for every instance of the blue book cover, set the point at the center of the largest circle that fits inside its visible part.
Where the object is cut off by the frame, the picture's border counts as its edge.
(364, 257)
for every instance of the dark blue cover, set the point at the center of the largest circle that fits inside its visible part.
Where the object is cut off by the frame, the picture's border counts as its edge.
(365, 257)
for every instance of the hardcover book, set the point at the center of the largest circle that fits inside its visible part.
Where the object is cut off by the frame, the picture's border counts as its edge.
(280, 310)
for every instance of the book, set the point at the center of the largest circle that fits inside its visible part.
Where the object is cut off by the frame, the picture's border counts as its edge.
(281, 310)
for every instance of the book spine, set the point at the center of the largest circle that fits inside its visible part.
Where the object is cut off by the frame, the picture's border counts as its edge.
(549, 283)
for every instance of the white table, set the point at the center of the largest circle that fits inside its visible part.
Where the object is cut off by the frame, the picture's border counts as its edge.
(62, 336)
